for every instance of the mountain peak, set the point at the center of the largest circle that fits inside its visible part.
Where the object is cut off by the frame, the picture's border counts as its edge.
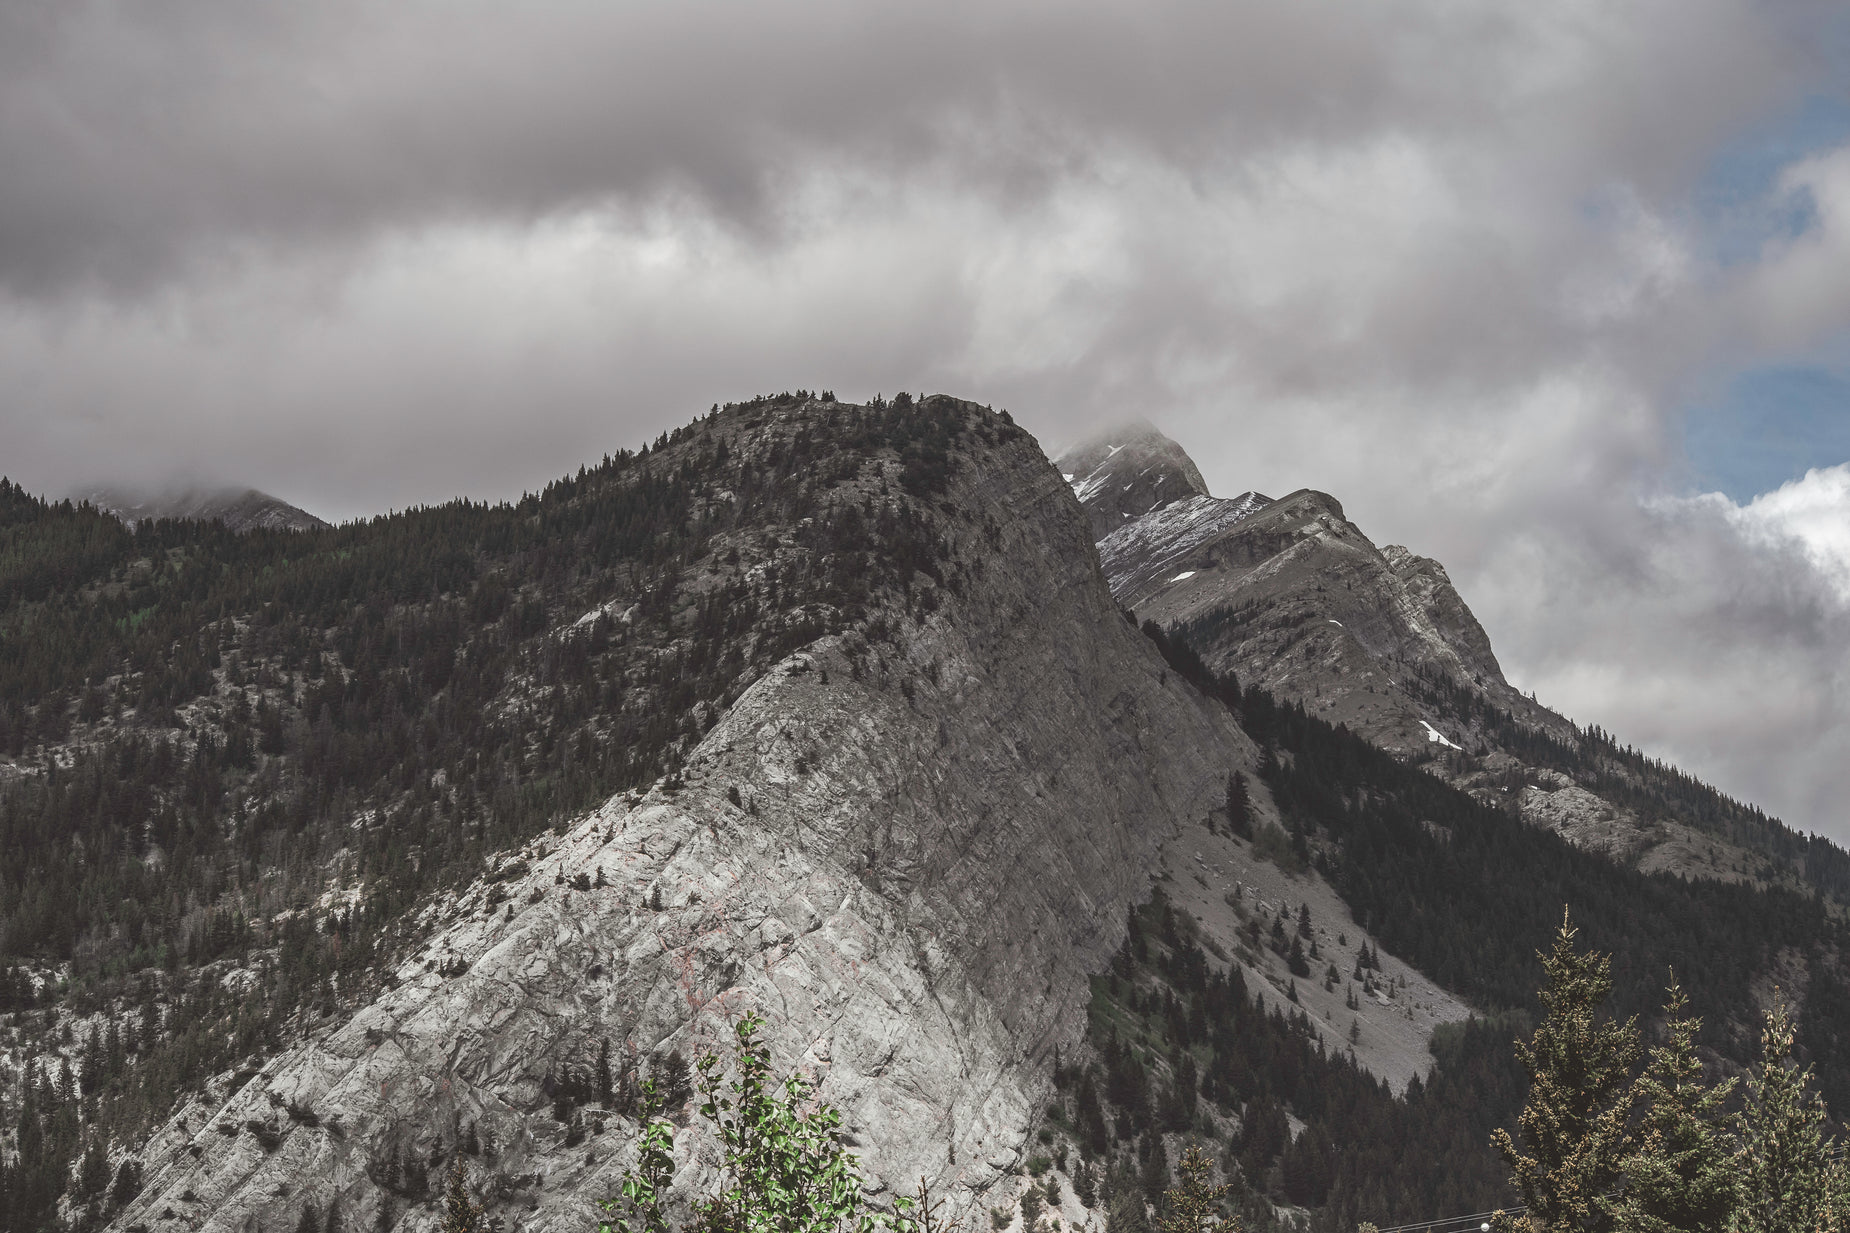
(1128, 471)
(241, 509)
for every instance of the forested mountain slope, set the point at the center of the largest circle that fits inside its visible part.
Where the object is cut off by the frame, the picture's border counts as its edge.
(1210, 1025)
(896, 767)
(1291, 595)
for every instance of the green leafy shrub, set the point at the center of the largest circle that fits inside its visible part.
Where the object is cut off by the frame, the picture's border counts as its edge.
(786, 1167)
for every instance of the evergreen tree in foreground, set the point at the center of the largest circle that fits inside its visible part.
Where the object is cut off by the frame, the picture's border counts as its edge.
(1680, 1174)
(1677, 1170)
(1579, 1068)
(1786, 1182)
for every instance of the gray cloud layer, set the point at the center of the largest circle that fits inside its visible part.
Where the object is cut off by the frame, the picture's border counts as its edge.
(1438, 258)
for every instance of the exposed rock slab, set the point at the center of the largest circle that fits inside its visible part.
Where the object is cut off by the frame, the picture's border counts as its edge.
(939, 826)
(1292, 596)
(1127, 473)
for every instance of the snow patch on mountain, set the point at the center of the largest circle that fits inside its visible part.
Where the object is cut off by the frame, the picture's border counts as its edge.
(1089, 487)
(1165, 535)
(1433, 735)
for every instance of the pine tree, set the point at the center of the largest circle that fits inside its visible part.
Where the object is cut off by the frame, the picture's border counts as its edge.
(673, 1080)
(1085, 1185)
(1094, 1139)
(1836, 1217)
(1580, 1071)
(93, 1175)
(127, 1184)
(1782, 1169)
(1679, 1176)
(1155, 1173)
(461, 1213)
(1126, 1212)
(1193, 1205)
(1239, 807)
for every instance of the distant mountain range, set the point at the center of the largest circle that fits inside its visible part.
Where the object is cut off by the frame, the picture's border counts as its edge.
(241, 509)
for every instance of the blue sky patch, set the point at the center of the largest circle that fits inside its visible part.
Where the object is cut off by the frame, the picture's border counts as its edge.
(1736, 201)
(1771, 425)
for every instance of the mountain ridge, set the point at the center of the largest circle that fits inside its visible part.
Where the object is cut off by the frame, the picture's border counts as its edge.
(1291, 595)
(240, 509)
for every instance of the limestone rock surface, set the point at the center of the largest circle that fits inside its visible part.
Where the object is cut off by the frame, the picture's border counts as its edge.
(907, 845)
(1291, 595)
(1129, 472)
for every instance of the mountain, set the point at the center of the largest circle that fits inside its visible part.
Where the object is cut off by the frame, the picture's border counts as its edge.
(1137, 471)
(889, 766)
(337, 857)
(241, 509)
(1291, 595)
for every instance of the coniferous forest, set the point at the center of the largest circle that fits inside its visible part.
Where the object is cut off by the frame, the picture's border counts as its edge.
(1470, 895)
(234, 762)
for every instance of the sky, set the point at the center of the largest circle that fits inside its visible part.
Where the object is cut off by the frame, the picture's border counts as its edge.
(1557, 294)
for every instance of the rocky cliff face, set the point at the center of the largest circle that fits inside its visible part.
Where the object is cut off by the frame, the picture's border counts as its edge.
(907, 844)
(1288, 593)
(1291, 595)
(1128, 473)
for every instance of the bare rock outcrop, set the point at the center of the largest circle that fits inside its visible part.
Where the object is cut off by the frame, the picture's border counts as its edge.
(908, 845)
(1291, 595)
(1128, 473)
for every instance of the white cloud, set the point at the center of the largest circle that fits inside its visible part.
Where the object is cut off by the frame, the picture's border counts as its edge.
(1813, 513)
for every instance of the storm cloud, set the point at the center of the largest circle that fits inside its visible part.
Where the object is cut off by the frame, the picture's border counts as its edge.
(1452, 262)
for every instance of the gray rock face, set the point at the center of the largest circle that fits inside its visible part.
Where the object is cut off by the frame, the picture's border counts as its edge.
(939, 824)
(1292, 596)
(1127, 473)
(240, 509)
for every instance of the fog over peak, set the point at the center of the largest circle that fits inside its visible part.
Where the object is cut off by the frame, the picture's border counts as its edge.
(1459, 264)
